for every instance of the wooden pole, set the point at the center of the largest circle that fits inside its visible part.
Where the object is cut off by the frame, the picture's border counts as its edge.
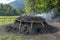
(20, 25)
(31, 24)
(31, 27)
(42, 24)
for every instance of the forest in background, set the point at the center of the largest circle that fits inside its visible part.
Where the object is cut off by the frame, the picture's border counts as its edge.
(7, 10)
(31, 6)
(41, 6)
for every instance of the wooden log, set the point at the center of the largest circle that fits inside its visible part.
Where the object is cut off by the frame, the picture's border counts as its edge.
(23, 27)
(20, 25)
(31, 24)
(31, 31)
(34, 22)
(42, 24)
(31, 21)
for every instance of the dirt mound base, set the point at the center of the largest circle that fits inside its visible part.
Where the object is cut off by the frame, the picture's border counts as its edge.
(45, 30)
(29, 24)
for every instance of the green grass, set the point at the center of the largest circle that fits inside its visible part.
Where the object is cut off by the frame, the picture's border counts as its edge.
(12, 37)
(7, 19)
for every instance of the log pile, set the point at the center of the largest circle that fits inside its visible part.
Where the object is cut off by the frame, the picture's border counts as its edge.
(31, 25)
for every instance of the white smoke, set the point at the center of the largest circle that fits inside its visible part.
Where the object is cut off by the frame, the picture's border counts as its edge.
(48, 16)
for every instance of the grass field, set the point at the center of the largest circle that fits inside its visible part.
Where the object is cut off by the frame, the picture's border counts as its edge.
(7, 19)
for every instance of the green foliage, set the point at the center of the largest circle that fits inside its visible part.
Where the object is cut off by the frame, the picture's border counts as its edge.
(7, 10)
(38, 6)
(28, 6)
(19, 12)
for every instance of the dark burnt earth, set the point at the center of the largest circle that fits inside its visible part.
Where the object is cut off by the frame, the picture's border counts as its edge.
(28, 24)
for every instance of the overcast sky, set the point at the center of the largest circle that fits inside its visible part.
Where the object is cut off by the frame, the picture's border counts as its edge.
(6, 1)
(18, 4)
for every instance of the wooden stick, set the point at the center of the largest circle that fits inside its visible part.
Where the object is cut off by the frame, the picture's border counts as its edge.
(31, 31)
(42, 24)
(33, 21)
(31, 24)
(20, 25)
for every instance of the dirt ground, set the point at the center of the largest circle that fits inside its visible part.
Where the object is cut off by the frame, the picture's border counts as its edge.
(51, 36)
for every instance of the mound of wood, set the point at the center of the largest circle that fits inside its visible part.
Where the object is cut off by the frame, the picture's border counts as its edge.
(28, 24)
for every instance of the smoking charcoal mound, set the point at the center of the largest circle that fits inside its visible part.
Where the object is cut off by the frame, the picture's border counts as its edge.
(28, 24)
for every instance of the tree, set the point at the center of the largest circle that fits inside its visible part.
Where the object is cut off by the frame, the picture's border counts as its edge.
(37, 6)
(7, 10)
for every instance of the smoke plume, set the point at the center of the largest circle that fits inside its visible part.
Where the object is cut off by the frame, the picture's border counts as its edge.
(48, 16)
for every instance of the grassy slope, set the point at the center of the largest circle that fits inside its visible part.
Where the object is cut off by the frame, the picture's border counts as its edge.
(7, 19)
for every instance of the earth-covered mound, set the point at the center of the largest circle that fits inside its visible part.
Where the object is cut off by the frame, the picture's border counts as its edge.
(28, 24)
